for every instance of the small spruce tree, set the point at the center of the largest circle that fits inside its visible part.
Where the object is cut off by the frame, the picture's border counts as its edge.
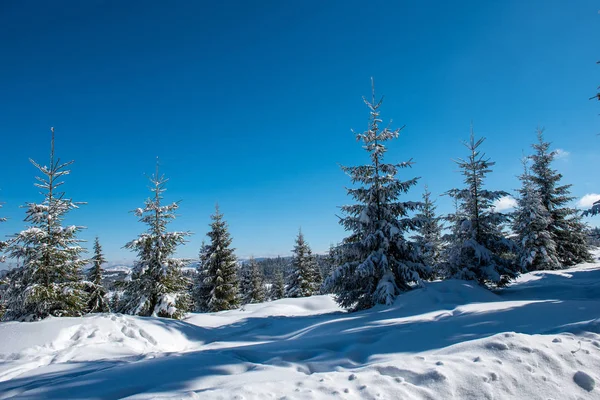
(217, 282)
(429, 234)
(305, 278)
(252, 286)
(278, 287)
(49, 283)
(480, 250)
(97, 302)
(378, 261)
(157, 286)
(566, 227)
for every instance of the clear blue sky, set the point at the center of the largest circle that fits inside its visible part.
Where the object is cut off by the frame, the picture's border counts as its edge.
(250, 104)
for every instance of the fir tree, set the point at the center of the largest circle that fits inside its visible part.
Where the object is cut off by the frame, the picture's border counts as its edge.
(278, 287)
(217, 286)
(479, 250)
(566, 227)
(49, 283)
(157, 286)
(378, 262)
(429, 233)
(305, 278)
(537, 249)
(252, 286)
(97, 302)
(200, 290)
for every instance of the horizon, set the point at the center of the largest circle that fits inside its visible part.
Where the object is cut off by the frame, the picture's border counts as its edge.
(257, 116)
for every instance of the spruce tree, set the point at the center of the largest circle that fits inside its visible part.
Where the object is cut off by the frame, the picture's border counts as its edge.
(217, 282)
(97, 302)
(49, 283)
(305, 278)
(278, 287)
(378, 261)
(429, 234)
(480, 250)
(252, 286)
(200, 290)
(537, 249)
(157, 286)
(566, 227)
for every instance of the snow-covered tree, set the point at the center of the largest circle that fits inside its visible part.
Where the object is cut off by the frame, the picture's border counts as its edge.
(378, 261)
(277, 290)
(479, 250)
(537, 249)
(97, 301)
(429, 233)
(305, 278)
(157, 286)
(49, 283)
(252, 287)
(566, 227)
(217, 282)
(328, 265)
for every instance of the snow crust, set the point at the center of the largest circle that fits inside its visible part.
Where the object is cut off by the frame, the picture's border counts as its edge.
(539, 338)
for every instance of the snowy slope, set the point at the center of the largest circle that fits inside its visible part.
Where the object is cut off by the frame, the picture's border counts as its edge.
(537, 339)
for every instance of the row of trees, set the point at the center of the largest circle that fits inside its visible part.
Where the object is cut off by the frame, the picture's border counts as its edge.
(393, 245)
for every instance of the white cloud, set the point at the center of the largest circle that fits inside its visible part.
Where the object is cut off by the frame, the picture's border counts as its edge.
(562, 154)
(588, 200)
(505, 203)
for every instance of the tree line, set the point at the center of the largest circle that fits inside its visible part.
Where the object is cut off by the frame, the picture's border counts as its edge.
(393, 245)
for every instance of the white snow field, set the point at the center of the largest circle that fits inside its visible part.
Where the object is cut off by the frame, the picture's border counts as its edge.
(537, 339)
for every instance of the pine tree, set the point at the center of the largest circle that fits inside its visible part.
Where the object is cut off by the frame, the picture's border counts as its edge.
(157, 286)
(217, 286)
(429, 234)
(49, 283)
(278, 287)
(537, 249)
(97, 302)
(480, 250)
(378, 261)
(252, 286)
(566, 227)
(305, 278)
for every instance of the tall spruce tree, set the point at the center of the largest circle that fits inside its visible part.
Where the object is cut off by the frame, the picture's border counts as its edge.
(252, 288)
(49, 283)
(97, 302)
(480, 250)
(305, 278)
(537, 249)
(566, 227)
(157, 286)
(378, 261)
(429, 234)
(217, 286)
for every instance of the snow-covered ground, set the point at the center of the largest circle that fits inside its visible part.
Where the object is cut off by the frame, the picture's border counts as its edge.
(537, 339)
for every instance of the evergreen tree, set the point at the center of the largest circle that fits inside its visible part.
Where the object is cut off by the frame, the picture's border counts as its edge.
(217, 286)
(200, 290)
(97, 302)
(537, 249)
(429, 233)
(157, 286)
(566, 227)
(479, 251)
(252, 286)
(278, 287)
(305, 278)
(49, 283)
(3, 244)
(378, 262)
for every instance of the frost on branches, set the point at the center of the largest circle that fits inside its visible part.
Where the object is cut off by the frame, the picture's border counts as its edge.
(157, 286)
(537, 249)
(252, 287)
(305, 278)
(378, 262)
(429, 233)
(49, 283)
(479, 249)
(97, 302)
(566, 227)
(216, 286)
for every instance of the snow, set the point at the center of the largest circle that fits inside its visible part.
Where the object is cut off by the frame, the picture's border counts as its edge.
(539, 338)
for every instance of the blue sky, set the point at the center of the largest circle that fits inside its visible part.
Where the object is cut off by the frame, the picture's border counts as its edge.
(250, 104)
